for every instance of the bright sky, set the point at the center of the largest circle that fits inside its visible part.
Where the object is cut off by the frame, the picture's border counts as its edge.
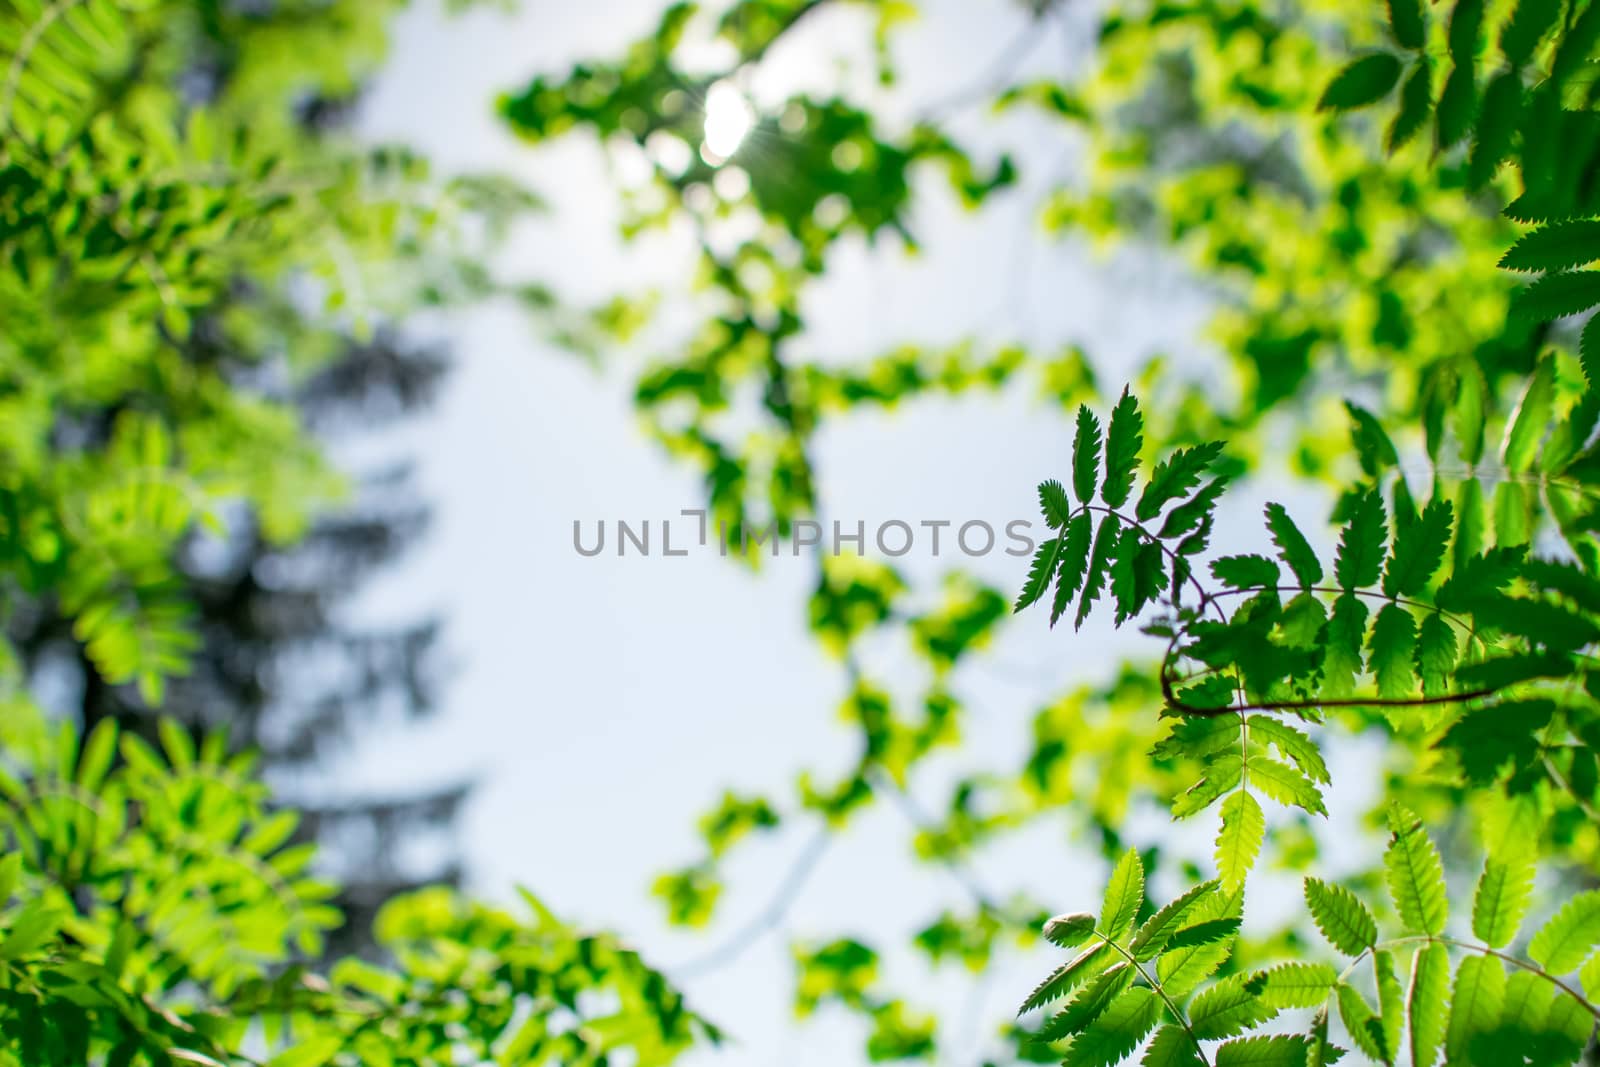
(605, 703)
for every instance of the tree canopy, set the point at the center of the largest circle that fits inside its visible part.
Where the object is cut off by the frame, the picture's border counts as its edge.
(1393, 209)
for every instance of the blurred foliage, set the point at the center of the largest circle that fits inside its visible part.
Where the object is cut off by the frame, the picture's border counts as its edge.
(1390, 204)
(188, 248)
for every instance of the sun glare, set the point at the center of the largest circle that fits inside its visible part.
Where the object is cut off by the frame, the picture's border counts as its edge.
(729, 117)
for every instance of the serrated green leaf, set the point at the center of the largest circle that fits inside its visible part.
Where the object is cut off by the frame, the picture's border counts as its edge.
(1222, 774)
(1124, 895)
(1531, 418)
(1072, 565)
(1570, 935)
(1293, 744)
(1196, 951)
(1297, 985)
(1055, 504)
(1362, 1023)
(1123, 442)
(1418, 550)
(1457, 103)
(1406, 22)
(1501, 900)
(1202, 934)
(1285, 784)
(1558, 246)
(1391, 1000)
(1342, 918)
(1115, 1034)
(1474, 1004)
(1293, 548)
(1175, 477)
(1527, 27)
(1264, 1050)
(1089, 1004)
(1392, 652)
(1428, 1003)
(1496, 128)
(1245, 572)
(1364, 81)
(1105, 537)
(1342, 660)
(1195, 511)
(1555, 296)
(1229, 1007)
(1437, 649)
(1361, 544)
(1085, 455)
(1171, 1047)
(1244, 828)
(1415, 875)
(1154, 933)
(1040, 573)
(1067, 977)
(1416, 104)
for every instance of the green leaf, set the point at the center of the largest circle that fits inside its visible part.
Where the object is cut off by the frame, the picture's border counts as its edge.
(1274, 1050)
(1244, 828)
(1428, 1003)
(1457, 103)
(1115, 1034)
(1437, 649)
(1292, 743)
(1321, 1052)
(1040, 573)
(1361, 545)
(1172, 1047)
(1196, 951)
(98, 753)
(1373, 447)
(1154, 933)
(1558, 246)
(1501, 900)
(1195, 511)
(1209, 932)
(1406, 21)
(1055, 504)
(1124, 895)
(1391, 1000)
(1418, 550)
(1123, 442)
(1343, 919)
(1365, 81)
(1089, 1004)
(1297, 985)
(1416, 104)
(1342, 660)
(1496, 129)
(1175, 477)
(1073, 564)
(1069, 931)
(36, 924)
(1527, 425)
(1229, 1007)
(1474, 1005)
(1527, 27)
(1245, 572)
(1570, 935)
(1285, 784)
(1085, 455)
(1105, 537)
(1393, 651)
(1555, 296)
(1293, 548)
(1363, 1024)
(1415, 875)
(1067, 977)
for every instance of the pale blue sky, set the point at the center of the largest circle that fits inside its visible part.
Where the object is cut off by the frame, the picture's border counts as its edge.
(605, 703)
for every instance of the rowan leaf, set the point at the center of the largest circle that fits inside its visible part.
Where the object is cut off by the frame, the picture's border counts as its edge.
(1123, 443)
(1570, 935)
(1342, 918)
(1172, 1047)
(1293, 548)
(1437, 648)
(1501, 900)
(1072, 564)
(1117, 1032)
(1418, 550)
(1298, 985)
(1175, 477)
(1244, 828)
(1364, 81)
(1094, 581)
(1040, 573)
(1154, 933)
(1361, 545)
(1558, 295)
(1558, 246)
(1285, 784)
(1085, 455)
(1428, 1003)
(1067, 977)
(1228, 1007)
(1264, 1050)
(1089, 1004)
(1475, 1004)
(1393, 652)
(1531, 418)
(1055, 504)
(1124, 895)
(1415, 875)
